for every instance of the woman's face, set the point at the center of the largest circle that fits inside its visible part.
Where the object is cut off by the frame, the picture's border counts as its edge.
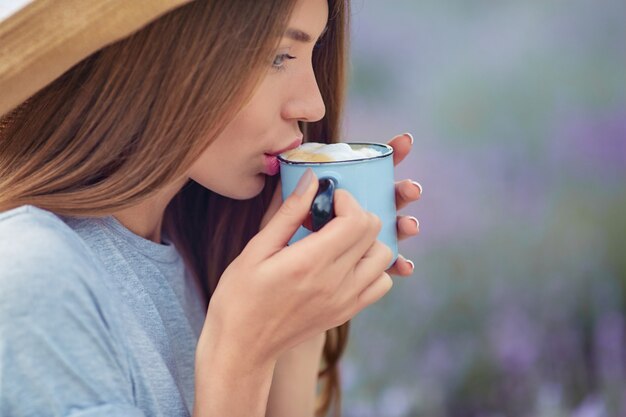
(236, 163)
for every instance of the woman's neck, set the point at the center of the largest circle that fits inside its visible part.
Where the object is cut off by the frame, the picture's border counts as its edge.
(146, 218)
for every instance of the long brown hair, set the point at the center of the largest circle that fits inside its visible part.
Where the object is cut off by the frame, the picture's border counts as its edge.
(133, 116)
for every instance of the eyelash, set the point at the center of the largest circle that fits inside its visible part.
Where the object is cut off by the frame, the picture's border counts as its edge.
(282, 57)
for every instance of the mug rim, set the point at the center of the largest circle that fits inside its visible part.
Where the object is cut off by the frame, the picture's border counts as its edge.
(389, 151)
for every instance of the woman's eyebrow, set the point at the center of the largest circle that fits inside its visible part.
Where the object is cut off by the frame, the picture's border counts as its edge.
(301, 36)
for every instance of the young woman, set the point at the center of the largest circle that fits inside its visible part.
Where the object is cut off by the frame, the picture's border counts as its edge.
(134, 189)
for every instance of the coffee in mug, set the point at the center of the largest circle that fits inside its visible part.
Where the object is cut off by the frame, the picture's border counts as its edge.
(365, 170)
(322, 152)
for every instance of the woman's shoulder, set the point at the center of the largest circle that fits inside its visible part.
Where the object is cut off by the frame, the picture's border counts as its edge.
(29, 233)
(57, 321)
(38, 250)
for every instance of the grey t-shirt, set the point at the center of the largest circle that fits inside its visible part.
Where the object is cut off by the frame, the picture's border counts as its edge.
(94, 319)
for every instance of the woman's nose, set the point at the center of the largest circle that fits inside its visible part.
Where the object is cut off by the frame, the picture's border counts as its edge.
(306, 103)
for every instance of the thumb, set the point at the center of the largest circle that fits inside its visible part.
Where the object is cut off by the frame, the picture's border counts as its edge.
(290, 215)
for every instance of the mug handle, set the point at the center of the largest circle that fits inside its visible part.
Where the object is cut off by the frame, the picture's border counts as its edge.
(322, 208)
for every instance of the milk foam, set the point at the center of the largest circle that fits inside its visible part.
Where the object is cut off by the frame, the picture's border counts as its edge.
(322, 152)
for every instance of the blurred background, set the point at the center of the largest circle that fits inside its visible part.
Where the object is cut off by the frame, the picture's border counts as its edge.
(517, 306)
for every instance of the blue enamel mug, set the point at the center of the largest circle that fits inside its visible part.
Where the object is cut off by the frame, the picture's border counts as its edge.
(370, 181)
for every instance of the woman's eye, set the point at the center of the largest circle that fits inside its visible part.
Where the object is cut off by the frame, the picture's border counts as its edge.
(279, 60)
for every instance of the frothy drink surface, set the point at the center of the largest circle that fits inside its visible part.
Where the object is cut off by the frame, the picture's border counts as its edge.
(322, 152)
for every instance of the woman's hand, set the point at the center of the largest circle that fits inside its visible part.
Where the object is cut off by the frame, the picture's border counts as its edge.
(407, 191)
(273, 296)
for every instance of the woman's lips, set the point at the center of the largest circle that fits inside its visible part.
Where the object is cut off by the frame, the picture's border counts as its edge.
(293, 145)
(272, 166)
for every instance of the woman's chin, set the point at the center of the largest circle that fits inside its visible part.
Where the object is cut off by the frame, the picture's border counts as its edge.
(244, 190)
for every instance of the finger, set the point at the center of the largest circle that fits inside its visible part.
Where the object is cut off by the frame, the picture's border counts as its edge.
(375, 291)
(348, 229)
(407, 226)
(274, 205)
(364, 244)
(401, 145)
(290, 215)
(402, 267)
(369, 267)
(407, 191)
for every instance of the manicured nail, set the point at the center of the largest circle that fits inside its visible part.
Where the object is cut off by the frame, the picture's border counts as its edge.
(417, 223)
(401, 256)
(410, 137)
(412, 264)
(418, 185)
(304, 182)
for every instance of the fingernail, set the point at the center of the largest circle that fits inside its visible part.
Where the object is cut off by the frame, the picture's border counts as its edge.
(418, 185)
(417, 223)
(408, 260)
(410, 137)
(304, 182)
(412, 264)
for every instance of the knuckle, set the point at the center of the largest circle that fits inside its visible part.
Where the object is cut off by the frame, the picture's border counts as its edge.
(377, 224)
(388, 283)
(298, 271)
(384, 286)
(301, 268)
(388, 254)
(363, 220)
(326, 289)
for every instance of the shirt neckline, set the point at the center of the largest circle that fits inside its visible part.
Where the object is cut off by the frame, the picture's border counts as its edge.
(160, 252)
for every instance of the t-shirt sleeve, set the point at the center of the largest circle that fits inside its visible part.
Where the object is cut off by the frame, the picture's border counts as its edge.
(58, 356)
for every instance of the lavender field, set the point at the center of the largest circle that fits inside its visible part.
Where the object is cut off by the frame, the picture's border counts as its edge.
(518, 303)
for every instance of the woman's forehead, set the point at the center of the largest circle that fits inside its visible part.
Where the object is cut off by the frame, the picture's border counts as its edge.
(307, 22)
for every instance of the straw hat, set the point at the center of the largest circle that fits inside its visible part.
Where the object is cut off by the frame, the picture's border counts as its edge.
(41, 39)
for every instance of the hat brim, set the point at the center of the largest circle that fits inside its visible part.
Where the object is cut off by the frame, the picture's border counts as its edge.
(42, 40)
